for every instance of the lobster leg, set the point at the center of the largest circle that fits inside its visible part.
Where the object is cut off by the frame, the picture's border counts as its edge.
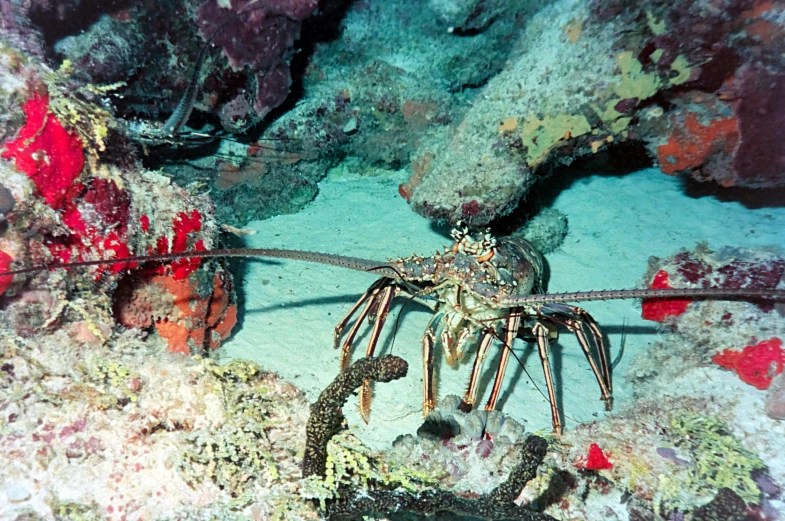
(541, 334)
(576, 327)
(589, 321)
(471, 392)
(383, 301)
(510, 332)
(371, 296)
(382, 308)
(428, 341)
(578, 320)
(345, 320)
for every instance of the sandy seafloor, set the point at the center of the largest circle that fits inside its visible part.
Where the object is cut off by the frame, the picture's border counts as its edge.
(615, 224)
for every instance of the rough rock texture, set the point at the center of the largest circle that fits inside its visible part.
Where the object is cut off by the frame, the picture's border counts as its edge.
(459, 448)
(775, 399)
(389, 79)
(262, 39)
(153, 46)
(586, 75)
(726, 506)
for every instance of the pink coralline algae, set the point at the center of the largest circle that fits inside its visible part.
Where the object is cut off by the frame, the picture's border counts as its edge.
(756, 364)
(105, 231)
(261, 39)
(110, 203)
(50, 155)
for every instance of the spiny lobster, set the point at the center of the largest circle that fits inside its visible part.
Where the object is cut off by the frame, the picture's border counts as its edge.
(480, 289)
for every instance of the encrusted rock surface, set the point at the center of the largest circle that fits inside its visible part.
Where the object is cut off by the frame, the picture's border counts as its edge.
(79, 194)
(584, 76)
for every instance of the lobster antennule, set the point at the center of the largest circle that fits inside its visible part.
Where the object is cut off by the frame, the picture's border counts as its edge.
(353, 263)
(624, 294)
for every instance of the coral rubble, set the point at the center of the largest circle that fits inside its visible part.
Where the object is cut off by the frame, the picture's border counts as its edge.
(128, 430)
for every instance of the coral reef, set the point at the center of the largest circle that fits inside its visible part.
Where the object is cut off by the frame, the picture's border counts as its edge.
(742, 336)
(394, 79)
(464, 453)
(157, 66)
(73, 201)
(499, 504)
(728, 267)
(670, 456)
(129, 431)
(107, 52)
(483, 98)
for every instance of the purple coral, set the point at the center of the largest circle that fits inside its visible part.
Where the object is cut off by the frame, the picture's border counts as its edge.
(259, 35)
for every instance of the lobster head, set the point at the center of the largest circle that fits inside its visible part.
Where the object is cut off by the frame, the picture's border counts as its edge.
(514, 260)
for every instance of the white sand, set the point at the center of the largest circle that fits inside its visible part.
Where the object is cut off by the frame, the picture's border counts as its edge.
(616, 223)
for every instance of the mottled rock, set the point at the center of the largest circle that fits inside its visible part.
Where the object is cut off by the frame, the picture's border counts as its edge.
(775, 398)
(7, 201)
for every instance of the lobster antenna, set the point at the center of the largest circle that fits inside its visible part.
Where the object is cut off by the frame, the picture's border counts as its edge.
(352, 263)
(646, 293)
(385, 269)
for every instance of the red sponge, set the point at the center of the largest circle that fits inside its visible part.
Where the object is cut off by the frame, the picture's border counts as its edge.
(50, 155)
(594, 460)
(658, 309)
(755, 365)
(5, 265)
